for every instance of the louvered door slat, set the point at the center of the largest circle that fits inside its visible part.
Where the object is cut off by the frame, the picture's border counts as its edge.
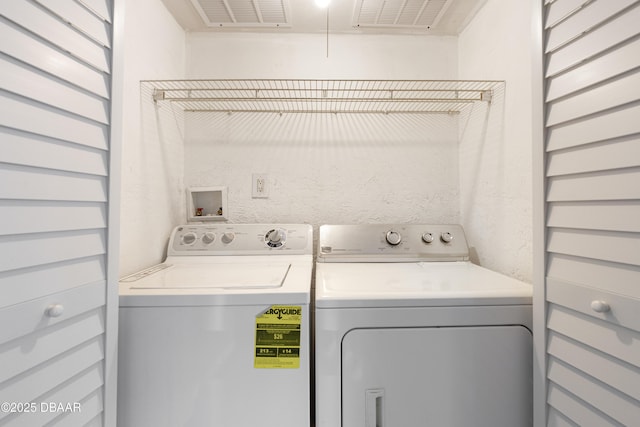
(42, 24)
(577, 411)
(616, 406)
(22, 148)
(597, 70)
(38, 54)
(54, 372)
(601, 366)
(608, 155)
(82, 18)
(583, 20)
(593, 43)
(41, 87)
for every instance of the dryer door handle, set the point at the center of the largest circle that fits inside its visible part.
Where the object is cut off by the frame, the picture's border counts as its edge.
(374, 408)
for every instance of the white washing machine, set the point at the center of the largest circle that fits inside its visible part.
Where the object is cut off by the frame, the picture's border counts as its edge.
(410, 333)
(218, 334)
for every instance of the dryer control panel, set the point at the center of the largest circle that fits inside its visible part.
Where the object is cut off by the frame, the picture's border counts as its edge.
(241, 239)
(392, 243)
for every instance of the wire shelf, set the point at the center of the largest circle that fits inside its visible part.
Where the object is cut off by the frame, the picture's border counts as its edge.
(323, 96)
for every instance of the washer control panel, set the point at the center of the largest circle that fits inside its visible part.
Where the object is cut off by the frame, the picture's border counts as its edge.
(241, 239)
(392, 243)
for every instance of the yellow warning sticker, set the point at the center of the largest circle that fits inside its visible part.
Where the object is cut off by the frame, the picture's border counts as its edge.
(278, 337)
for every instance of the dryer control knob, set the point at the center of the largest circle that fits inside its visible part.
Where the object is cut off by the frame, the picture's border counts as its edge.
(393, 237)
(208, 238)
(446, 237)
(189, 238)
(427, 237)
(228, 237)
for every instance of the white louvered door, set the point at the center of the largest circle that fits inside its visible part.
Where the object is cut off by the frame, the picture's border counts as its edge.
(592, 174)
(55, 86)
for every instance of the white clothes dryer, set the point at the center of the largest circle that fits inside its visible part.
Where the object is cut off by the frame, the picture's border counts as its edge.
(409, 333)
(218, 334)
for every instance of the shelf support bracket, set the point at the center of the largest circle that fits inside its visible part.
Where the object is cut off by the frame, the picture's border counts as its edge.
(158, 95)
(486, 96)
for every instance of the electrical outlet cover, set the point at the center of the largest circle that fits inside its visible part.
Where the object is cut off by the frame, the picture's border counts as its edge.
(259, 186)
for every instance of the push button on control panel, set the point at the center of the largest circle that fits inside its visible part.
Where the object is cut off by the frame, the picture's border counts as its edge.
(393, 238)
(446, 237)
(427, 237)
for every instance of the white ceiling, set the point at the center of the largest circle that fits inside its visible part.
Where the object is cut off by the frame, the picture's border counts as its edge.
(430, 17)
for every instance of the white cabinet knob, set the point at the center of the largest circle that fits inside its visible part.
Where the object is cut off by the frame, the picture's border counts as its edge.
(600, 306)
(55, 310)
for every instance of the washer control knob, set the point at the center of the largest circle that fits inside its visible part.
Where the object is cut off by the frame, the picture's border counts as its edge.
(208, 238)
(446, 237)
(228, 237)
(427, 237)
(189, 238)
(275, 238)
(393, 237)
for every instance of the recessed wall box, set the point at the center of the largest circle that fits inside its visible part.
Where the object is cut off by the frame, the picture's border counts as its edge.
(206, 203)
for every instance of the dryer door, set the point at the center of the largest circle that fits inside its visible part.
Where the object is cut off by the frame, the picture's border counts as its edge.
(451, 376)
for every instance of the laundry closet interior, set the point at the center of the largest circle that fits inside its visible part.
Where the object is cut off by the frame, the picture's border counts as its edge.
(330, 121)
(347, 161)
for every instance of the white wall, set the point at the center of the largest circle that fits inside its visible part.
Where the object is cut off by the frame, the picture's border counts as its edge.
(496, 144)
(152, 149)
(326, 168)
(304, 56)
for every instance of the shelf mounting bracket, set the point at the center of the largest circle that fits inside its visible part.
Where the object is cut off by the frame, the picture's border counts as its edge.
(486, 96)
(158, 95)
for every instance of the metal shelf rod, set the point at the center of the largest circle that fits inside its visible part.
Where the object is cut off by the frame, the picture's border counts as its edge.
(323, 92)
(232, 111)
(324, 100)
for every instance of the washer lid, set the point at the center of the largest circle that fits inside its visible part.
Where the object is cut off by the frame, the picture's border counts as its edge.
(417, 284)
(218, 276)
(220, 281)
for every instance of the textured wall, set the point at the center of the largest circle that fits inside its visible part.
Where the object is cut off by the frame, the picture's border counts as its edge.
(496, 143)
(326, 168)
(152, 149)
